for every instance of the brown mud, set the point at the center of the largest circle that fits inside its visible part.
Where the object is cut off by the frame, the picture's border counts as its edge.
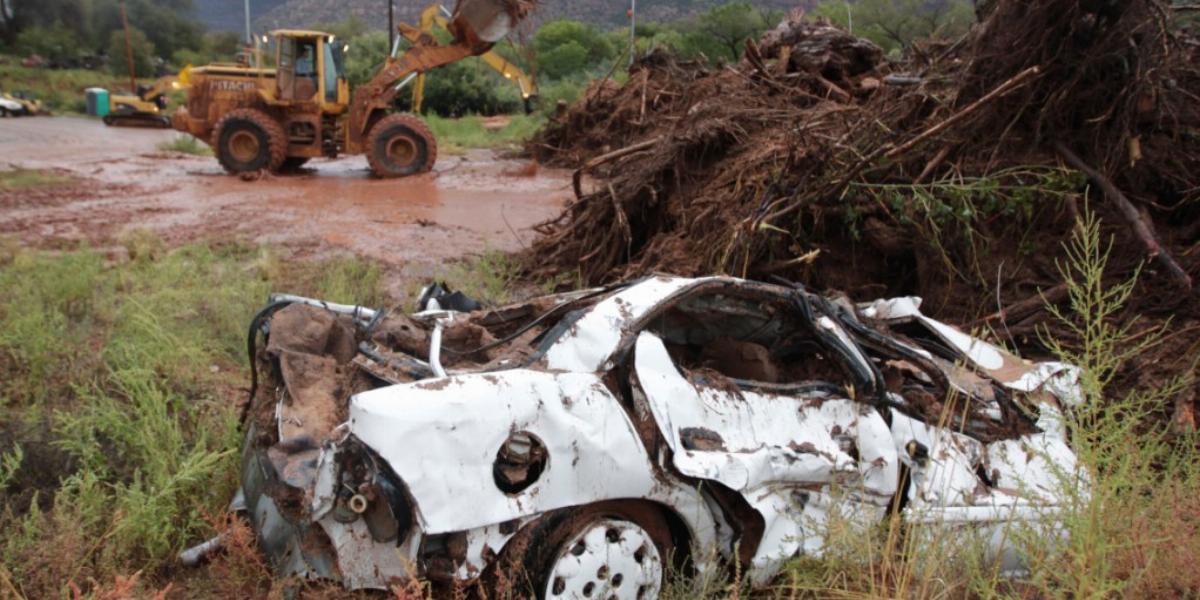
(469, 204)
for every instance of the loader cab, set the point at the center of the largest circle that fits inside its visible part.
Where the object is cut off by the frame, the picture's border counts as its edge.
(310, 69)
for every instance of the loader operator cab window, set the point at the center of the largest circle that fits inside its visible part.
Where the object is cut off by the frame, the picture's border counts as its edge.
(296, 74)
(333, 70)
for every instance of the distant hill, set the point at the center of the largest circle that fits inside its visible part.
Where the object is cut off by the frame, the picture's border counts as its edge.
(226, 15)
(229, 15)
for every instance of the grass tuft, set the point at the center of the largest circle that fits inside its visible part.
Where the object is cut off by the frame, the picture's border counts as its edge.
(127, 379)
(455, 136)
(187, 145)
(24, 179)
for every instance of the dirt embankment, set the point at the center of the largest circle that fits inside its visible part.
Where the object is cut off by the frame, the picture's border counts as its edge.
(119, 181)
(956, 175)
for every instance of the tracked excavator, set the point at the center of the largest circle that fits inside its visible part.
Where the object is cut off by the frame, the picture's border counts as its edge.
(147, 104)
(257, 118)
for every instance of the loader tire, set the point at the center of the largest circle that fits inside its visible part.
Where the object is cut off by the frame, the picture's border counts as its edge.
(247, 140)
(400, 145)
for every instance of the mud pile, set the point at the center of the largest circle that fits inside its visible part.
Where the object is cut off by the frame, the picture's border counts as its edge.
(956, 174)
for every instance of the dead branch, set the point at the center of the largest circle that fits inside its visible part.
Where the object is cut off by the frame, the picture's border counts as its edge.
(603, 158)
(1141, 227)
(1000, 90)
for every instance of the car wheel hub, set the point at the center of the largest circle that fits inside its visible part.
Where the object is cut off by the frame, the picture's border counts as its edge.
(608, 559)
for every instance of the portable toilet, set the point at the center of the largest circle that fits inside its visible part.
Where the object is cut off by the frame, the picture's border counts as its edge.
(97, 101)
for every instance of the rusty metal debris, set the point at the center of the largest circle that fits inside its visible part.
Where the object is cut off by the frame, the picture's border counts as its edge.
(593, 437)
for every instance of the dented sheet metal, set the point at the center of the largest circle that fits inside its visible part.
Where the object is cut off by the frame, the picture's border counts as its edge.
(743, 414)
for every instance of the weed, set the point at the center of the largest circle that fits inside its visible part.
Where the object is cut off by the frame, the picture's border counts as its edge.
(187, 145)
(23, 179)
(10, 463)
(135, 369)
(456, 135)
(489, 278)
(1131, 530)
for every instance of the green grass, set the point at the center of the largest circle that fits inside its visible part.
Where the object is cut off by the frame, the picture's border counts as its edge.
(186, 144)
(23, 179)
(60, 90)
(457, 135)
(122, 382)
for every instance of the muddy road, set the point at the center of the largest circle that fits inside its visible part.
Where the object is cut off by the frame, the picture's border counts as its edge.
(469, 204)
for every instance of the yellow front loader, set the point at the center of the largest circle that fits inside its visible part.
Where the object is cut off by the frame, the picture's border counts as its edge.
(276, 118)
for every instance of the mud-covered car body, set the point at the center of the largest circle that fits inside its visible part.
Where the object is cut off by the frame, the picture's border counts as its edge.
(382, 445)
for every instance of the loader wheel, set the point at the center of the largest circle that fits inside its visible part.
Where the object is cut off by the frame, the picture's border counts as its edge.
(248, 140)
(400, 145)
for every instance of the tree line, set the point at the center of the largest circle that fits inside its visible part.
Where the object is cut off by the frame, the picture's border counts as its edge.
(564, 54)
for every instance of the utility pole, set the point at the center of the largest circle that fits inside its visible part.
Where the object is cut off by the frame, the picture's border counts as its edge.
(391, 24)
(632, 27)
(249, 39)
(128, 50)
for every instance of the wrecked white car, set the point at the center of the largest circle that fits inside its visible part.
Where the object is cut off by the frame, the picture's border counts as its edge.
(582, 444)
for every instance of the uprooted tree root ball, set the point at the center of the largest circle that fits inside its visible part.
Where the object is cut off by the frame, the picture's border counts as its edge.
(956, 174)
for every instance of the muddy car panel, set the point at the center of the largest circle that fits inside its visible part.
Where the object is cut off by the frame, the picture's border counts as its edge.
(663, 391)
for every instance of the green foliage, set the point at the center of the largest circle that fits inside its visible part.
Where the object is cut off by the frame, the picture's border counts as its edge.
(135, 368)
(10, 463)
(54, 42)
(721, 32)
(59, 89)
(367, 53)
(566, 59)
(565, 47)
(895, 24)
(143, 53)
(19, 179)
(1126, 527)
(949, 209)
(467, 87)
(167, 24)
(455, 135)
(221, 46)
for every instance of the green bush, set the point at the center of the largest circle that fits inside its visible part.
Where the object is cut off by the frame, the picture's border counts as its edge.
(565, 47)
(55, 42)
(895, 24)
(141, 47)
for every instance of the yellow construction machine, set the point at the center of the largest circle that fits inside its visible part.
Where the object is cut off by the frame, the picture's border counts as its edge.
(437, 15)
(274, 118)
(147, 105)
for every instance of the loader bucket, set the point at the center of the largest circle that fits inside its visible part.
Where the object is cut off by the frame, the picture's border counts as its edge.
(488, 20)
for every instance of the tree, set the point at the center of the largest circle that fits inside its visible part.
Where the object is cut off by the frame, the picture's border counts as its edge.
(564, 47)
(143, 53)
(56, 43)
(895, 24)
(730, 25)
(563, 61)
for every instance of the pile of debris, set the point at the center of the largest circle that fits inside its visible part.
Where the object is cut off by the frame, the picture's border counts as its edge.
(956, 174)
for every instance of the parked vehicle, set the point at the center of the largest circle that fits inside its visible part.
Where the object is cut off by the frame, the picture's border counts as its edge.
(587, 442)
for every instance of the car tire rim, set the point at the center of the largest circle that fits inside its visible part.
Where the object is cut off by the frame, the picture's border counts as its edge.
(607, 559)
(243, 145)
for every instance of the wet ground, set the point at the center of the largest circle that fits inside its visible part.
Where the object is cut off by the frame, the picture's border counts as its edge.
(468, 205)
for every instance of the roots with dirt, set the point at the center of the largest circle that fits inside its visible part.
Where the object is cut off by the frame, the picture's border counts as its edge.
(955, 174)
